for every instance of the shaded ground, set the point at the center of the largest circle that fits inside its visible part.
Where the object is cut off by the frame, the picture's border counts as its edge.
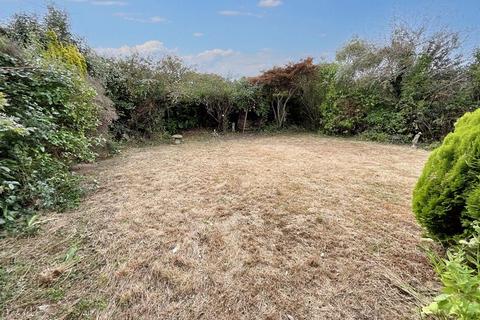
(281, 227)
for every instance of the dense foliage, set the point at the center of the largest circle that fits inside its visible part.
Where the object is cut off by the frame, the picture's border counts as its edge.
(212, 92)
(47, 114)
(460, 276)
(447, 196)
(47, 117)
(416, 82)
(139, 94)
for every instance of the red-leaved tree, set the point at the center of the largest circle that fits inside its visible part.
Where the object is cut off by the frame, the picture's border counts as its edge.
(282, 83)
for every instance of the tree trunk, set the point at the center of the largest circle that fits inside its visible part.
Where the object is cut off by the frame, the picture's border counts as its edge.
(279, 107)
(274, 111)
(224, 123)
(281, 111)
(245, 121)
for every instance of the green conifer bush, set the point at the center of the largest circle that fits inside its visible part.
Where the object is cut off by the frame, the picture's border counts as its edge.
(446, 199)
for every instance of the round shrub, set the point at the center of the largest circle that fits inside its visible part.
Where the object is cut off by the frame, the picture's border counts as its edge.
(446, 199)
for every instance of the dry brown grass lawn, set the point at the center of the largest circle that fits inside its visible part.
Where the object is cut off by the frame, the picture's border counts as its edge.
(272, 227)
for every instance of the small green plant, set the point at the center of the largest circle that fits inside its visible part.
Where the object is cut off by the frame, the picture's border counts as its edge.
(7, 216)
(71, 253)
(55, 294)
(31, 225)
(85, 307)
(459, 274)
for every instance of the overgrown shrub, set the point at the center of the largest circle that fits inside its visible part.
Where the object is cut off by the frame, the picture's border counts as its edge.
(318, 94)
(446, 198)
(67, 53)
(414, 83)
(138, 90)
(47, 115)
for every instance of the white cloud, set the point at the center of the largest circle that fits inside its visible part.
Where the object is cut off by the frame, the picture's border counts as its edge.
(137, 18)
(157, 19)
(269, 3)
(153, 48)
(233, 13)
(234, 64)
(209, 55)
(198, 34)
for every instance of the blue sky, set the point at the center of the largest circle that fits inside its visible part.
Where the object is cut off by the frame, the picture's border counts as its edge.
(242, 37)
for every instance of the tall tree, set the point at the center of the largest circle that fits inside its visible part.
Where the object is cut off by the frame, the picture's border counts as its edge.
(248, 98)
(213, 92)
(417, 75)
(282, 83)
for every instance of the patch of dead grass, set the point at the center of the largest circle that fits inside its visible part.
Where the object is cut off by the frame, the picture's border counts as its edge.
(279, 227)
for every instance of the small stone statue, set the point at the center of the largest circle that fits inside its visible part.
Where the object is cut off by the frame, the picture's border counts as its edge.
(415, 140)
(177, 138)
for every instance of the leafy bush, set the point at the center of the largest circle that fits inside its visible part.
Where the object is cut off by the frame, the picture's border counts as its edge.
(346, 114)
(460, 276)
(250, 98)
(413, 83)
(182, 117)
(388, 121)
(446, 198)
